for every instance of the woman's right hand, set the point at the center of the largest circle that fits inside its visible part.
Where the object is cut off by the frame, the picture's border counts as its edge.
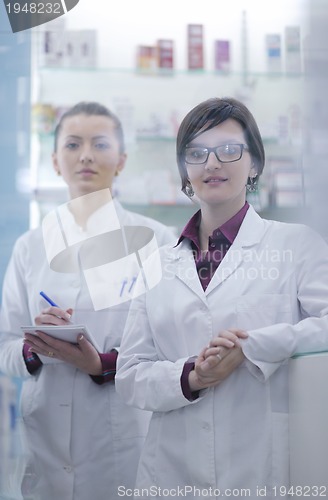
(53, 316)
(81, 355)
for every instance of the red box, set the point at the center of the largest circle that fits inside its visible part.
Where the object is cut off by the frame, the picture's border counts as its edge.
(165, 54)
(195, 46)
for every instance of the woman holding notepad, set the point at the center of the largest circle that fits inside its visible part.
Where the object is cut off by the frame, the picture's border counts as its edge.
(83, 441)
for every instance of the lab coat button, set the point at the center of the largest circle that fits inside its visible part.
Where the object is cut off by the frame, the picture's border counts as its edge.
(206, 426)
(68, 468)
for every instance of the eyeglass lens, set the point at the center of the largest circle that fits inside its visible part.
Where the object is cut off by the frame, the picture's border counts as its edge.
(226, 153)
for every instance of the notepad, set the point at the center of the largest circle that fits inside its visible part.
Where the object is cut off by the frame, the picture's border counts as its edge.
(69, 333)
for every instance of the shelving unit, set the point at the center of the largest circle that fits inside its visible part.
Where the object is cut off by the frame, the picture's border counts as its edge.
(151, 106)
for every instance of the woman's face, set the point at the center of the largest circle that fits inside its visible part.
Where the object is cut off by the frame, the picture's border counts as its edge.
(217, 183)
(88, 153)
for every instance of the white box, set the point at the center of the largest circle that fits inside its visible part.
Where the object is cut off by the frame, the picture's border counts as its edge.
(69, 49)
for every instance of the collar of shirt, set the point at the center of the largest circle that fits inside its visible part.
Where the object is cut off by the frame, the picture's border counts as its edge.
(228, 230)
(218, 243)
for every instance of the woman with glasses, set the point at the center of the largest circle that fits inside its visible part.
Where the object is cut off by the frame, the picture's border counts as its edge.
(207, 349)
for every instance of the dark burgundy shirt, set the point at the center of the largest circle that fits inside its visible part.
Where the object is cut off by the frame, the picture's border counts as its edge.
(108, 361)
(207, 263)
(218, 243)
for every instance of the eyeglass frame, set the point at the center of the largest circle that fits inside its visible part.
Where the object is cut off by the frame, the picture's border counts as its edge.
(243, 147)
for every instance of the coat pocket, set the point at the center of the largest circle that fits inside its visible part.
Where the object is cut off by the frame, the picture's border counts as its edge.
(257, 311)
(27, 400)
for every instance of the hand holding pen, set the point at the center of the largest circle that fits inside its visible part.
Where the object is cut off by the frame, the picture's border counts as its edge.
(53, 315)
(82, 355)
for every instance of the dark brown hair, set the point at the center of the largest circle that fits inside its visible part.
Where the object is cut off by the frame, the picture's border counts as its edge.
(209, 114)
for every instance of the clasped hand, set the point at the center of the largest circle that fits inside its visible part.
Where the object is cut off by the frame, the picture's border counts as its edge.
(217, 360)
(81, 355)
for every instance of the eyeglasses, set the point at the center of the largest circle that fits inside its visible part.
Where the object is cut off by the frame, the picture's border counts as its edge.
(227, 153)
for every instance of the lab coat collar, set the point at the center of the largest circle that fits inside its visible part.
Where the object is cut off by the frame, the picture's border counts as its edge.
(251, 230)
(105, 219)
(250, 233)
(63, 236)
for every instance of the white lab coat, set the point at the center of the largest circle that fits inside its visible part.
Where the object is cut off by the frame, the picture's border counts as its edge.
(273, 283)
(84, 441)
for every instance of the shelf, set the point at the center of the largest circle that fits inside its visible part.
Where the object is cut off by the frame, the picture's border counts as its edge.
(162, 72)
(175, 216)
(55, 196)
(299, 215)
(151, 106)
(170, 214)
(314, 353)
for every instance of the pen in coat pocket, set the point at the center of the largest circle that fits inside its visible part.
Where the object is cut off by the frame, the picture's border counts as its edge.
(52, 303)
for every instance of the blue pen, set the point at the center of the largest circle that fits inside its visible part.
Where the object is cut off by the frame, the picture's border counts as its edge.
(134, 279)
(48, 299)
(124, 282)
(52, 303)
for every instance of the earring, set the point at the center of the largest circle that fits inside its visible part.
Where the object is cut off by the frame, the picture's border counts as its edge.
(189, 190)
(58, 173)
(252, 184)
(117, 173)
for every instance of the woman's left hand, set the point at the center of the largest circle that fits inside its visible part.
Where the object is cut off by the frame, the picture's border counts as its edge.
(217, 360)
(81, 355)
(218, 345)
